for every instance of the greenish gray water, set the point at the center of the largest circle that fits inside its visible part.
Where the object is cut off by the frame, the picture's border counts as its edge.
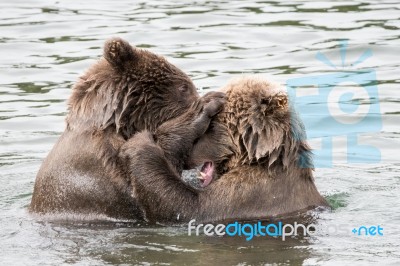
(46, 45)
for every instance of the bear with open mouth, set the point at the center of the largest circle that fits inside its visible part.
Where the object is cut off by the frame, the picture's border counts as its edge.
(253, 161)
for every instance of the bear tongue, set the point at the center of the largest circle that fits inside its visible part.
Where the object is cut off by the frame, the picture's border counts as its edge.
(207, 173)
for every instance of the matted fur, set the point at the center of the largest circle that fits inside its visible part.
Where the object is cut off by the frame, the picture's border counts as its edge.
(264, 167)
(126, 91)
(262, 126)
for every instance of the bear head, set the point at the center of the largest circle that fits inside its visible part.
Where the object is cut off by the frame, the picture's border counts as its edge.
(128, 90)
(257, 126)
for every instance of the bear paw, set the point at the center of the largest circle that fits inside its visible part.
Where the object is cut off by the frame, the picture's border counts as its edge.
(213, 103)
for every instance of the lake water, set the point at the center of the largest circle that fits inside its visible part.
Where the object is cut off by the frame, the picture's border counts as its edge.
(46, 45)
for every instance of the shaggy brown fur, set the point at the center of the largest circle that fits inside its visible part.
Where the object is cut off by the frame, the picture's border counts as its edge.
(126, 91)
(257, 144)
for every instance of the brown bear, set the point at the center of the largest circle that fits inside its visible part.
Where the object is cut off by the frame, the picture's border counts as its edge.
(255, 149)
(126, 91)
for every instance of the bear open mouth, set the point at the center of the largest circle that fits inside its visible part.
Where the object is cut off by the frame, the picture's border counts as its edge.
(205, 174)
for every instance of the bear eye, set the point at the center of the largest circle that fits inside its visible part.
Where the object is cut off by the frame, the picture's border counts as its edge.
(266, 100)
(196, 141)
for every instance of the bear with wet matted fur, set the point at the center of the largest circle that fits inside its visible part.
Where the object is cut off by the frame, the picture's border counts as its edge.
(255, 151)
(126, 91)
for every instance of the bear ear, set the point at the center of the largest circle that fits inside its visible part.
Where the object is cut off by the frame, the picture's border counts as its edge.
(274, 103)
(118, 51)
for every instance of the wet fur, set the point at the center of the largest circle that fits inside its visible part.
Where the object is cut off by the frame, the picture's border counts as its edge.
(258, 144)
(126, 91)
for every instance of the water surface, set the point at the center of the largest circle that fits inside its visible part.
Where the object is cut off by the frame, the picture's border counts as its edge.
(45, 45)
